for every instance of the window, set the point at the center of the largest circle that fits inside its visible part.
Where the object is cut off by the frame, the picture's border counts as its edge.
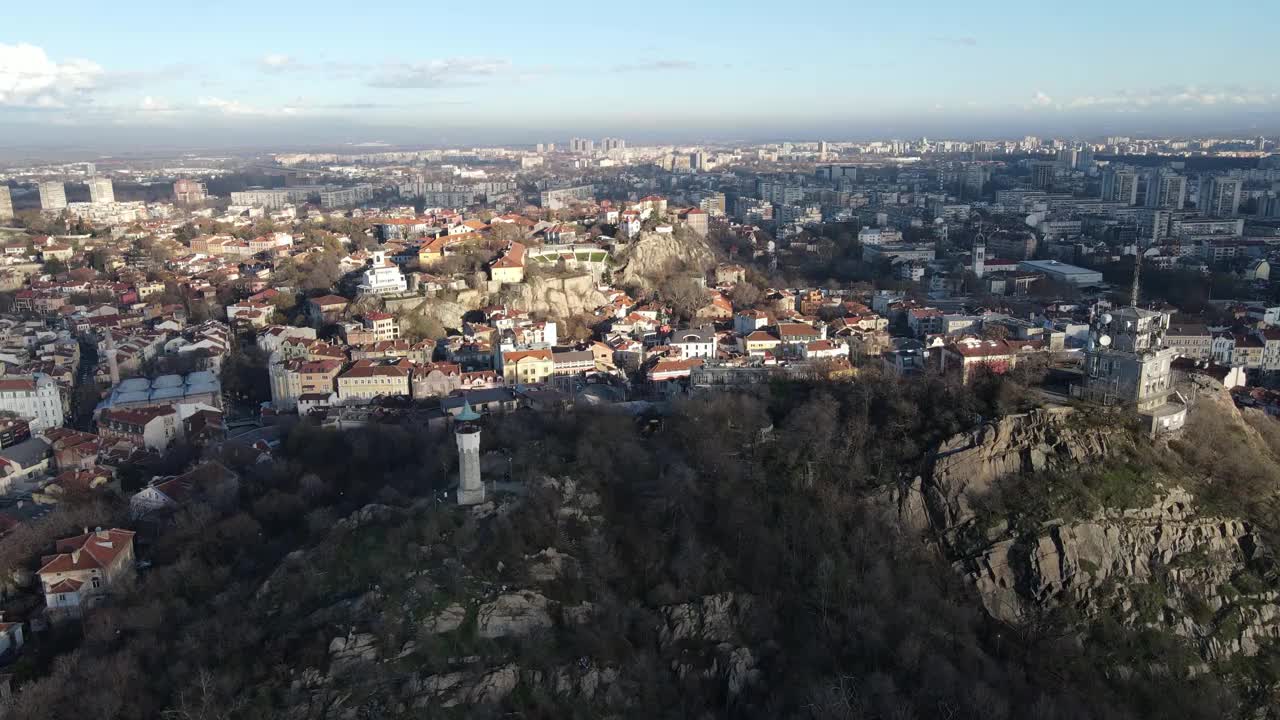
(97, 581)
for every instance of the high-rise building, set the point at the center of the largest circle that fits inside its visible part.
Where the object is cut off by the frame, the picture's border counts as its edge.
(1166, 190)
(1067, 158)
(101, 190)
(698, 160)
(189, 192)
(53, 195)
(6, 203)
(1042, 174)
(582, 145)
(610, 143)
(1220, 195)
(1120, 185)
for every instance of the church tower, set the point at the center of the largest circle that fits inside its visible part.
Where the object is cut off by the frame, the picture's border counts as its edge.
(467, 432)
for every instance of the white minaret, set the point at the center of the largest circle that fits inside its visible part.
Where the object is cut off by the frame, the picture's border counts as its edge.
(467, 432)
(112, 364)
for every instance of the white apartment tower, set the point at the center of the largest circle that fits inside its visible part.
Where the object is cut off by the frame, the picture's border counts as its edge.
(6, 203)
(53, 195)
(1120, 186)
(1166, 190)
(101, 191)
(1220, 196)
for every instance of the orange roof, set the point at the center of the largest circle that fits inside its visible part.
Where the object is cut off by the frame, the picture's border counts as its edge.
(88, 551)
(518, 355)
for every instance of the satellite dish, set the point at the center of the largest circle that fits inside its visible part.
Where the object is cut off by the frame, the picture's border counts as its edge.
(1106, 318)
(1104, 341)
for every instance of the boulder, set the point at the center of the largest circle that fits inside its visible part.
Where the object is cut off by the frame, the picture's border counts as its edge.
(447, 620)
(711, 618)
(354, 648)
(514, 615)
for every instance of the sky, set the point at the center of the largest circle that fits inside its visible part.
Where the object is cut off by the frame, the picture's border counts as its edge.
(139, 74)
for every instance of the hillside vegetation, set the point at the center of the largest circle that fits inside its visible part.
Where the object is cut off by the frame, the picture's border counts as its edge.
(802, 553)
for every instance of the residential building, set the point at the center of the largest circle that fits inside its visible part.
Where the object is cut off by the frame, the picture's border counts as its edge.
(573, 362)
(154, 428)
(969, 354)
(510, 267)
(36, 398)
(526, 367)
(210, 482)
(1166, 190)
(326, 308)
(85, 566)
(189, 192)
(1190, 341)
(696, 342)
(101, 191)
(6, 203)
(1220, 195)
(291, 379)
(370, 379)
(53, 195)
(1120, 185)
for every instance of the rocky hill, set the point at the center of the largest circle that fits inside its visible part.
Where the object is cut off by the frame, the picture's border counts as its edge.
(742, 556)
(1059, 513)
(654, 255)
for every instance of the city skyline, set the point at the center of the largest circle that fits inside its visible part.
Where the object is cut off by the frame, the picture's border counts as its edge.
(147, 74)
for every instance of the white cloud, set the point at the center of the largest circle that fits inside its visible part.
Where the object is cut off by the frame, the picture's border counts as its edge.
(156, 105)
(655, 65)
(449, 72)
(1176, 97)
(276, 62)
(30, 78)
(235, 108)
(1041, 100)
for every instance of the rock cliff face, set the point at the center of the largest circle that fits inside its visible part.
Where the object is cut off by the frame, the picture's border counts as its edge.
(652, 256)
(557, 296)
(1165, 567)
(968, 464)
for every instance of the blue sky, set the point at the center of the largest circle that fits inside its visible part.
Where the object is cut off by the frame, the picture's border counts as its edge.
(324, 72)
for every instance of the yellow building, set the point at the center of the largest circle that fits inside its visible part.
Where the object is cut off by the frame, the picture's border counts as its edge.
(510, 267)
(759, 342)
(526, 367)
(369, 379)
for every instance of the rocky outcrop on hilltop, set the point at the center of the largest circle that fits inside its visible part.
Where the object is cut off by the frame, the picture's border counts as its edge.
(653, 255)
(1162, 566)
(968, 464)
(556, 295)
